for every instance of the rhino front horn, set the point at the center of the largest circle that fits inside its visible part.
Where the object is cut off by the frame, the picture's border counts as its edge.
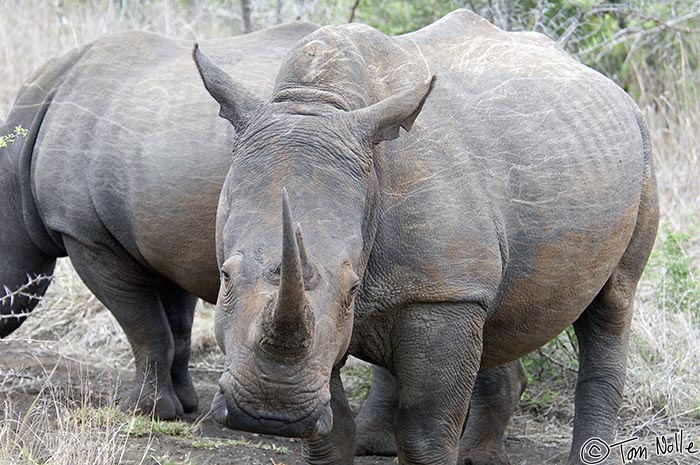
(291, 293)
(288, 329)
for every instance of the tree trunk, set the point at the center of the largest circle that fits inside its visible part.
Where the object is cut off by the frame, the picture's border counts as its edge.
(245, 10)
(278, 11)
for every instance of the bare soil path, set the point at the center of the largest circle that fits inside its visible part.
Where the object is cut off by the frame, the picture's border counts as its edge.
(31, 370)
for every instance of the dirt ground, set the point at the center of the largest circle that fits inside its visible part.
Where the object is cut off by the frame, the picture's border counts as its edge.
(28, 368)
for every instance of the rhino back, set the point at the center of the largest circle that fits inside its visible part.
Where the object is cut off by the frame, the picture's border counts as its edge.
(132, 153)
(523, 171)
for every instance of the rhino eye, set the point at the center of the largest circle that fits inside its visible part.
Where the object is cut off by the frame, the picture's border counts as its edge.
(355, 288)
(224, 275)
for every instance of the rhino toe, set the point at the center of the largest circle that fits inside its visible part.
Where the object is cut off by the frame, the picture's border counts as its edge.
(162, 405)
(186, 394)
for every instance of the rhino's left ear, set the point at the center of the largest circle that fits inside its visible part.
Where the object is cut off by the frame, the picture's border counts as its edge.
(237, 104)
(383, 120)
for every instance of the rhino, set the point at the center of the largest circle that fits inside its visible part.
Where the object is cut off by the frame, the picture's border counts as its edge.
(434, 203)
(120, 169)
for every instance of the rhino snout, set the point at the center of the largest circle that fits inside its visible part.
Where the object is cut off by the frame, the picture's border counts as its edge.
(231, 409)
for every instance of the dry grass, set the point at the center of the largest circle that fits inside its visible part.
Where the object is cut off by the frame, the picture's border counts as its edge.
(663, 389)
(71, 314)
(61, 425)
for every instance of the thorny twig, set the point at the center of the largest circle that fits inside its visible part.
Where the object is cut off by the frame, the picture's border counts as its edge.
(22, 291)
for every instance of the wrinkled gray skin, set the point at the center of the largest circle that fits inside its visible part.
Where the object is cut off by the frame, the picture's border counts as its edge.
(123, 163)
(494, 397)
(521, 201)
(129, 156)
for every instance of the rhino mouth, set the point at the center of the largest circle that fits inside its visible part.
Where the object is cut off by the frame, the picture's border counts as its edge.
(230, 414)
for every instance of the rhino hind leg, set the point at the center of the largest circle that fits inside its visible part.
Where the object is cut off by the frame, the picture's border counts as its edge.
(495, 396)
(179, 308)
(603, 334)
(377, 418)
(132, 294)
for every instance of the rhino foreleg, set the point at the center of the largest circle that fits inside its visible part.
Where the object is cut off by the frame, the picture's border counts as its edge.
(337, 447)
(494, 398)
(436, 356)
(132, 294)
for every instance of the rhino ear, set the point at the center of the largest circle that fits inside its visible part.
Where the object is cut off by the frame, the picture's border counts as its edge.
(237, 104)
(383, 120)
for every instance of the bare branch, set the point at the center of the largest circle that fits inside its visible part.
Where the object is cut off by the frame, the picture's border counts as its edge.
(353, 8)
(24, 291)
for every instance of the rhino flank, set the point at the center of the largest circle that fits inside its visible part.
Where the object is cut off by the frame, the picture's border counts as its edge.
(522, 200)
(121, 170)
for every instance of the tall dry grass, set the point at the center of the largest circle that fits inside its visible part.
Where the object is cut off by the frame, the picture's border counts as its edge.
(663, 389)
(55, 430)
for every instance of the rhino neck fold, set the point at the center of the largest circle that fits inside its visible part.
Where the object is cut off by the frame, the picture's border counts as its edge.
(312, 97)
(370, 222)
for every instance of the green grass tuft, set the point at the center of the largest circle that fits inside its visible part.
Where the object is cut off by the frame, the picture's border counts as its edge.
(216, 443)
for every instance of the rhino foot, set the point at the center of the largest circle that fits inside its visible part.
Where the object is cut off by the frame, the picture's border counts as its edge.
(376, 441)
(186, 394)
(162, 404)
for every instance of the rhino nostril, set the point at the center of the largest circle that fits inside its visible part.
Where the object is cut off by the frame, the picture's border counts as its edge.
(219, 409)
(324, 425)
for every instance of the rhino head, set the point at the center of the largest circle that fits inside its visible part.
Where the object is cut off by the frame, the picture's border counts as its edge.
(295, 227)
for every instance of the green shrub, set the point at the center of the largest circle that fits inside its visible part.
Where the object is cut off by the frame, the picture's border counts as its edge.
(671, 267)
(9, 139)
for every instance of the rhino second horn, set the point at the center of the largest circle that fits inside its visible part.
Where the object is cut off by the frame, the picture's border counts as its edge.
(289, 330)
(306, 265)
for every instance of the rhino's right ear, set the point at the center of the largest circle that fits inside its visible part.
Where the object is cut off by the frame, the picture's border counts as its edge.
(383, 119)
(237, 104)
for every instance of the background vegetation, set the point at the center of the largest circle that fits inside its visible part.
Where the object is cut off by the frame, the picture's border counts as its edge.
(650, 47)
